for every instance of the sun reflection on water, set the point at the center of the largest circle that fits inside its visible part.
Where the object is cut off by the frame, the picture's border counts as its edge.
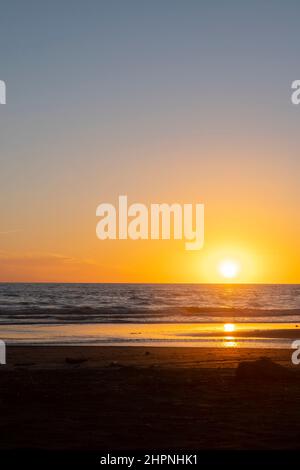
(229, 342)
(229, 327)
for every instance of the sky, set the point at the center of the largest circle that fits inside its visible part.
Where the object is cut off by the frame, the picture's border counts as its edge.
(164, 101)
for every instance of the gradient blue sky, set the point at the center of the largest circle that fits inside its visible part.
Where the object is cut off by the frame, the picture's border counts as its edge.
(161, 100)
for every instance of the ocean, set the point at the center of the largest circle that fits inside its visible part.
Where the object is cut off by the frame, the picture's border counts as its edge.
(149, 314)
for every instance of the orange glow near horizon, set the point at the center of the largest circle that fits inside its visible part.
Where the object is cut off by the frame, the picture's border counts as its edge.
(148, 261)
(231, 264)
(70, 251)
(61, 245)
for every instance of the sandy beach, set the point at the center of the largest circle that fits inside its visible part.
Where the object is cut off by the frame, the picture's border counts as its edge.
(115, 398)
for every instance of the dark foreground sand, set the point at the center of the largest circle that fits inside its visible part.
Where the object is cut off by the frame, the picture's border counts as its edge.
(145, 398)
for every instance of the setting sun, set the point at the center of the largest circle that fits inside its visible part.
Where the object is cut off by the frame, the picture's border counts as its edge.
(229, 269)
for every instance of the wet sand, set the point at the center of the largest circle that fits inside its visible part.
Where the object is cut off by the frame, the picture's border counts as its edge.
(208, 335)
(115, 398)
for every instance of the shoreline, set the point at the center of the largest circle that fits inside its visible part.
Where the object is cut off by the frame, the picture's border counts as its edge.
(214, 335)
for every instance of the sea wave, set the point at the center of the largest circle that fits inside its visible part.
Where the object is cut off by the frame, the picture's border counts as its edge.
(85, 314)
(150, 303)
